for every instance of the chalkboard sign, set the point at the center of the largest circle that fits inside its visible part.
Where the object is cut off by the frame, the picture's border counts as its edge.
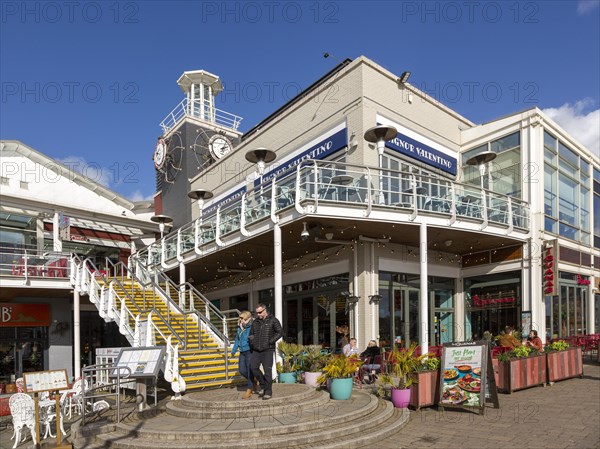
(142, 362)
(467, 376)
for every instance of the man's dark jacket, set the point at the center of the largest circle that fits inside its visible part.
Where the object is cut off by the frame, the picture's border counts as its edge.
(265, 333)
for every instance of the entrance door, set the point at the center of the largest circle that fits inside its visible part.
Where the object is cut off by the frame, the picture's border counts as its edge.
(312, 320)
(406, 315)
(441, 321)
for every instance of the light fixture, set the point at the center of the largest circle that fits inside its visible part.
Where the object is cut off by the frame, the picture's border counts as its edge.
(162, 220)
(404, 77)
(448, 242)
(304, 234)
(375, 299)
(329, 235)
(260, 157)
(200, 195)
(482, 160)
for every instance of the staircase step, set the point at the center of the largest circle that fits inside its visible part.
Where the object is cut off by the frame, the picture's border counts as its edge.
(360, 422)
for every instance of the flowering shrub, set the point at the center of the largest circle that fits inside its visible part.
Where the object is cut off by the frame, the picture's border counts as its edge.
(559, 345)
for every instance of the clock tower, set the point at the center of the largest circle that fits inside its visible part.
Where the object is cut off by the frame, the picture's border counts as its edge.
(195, 135)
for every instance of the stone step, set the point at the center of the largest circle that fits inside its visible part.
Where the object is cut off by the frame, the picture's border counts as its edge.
(360, 422)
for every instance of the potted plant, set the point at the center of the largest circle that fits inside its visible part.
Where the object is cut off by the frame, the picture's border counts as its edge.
(402, 364)
(424, 392)
(523, 367)
(339, 371)
(564, 361)
(289, 365)
(312, 361)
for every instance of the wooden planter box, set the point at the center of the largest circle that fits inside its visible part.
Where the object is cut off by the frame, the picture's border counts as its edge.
(565, 364)
(521, 373)
(426, 391)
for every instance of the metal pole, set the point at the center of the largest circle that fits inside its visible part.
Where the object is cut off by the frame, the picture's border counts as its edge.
(76, 334)
(424, 328)
(277, 275)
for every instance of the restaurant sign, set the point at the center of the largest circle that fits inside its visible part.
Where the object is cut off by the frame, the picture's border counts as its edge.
(467, 379)
(24, 315)
(550, 268)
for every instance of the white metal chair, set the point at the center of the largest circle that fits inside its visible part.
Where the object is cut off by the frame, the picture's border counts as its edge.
(48, 414)
(22, 410)
(73, 398)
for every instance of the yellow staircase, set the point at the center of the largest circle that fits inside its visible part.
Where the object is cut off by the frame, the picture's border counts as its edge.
(201, 358)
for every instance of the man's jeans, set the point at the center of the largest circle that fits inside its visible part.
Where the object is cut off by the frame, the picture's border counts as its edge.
(264, 358)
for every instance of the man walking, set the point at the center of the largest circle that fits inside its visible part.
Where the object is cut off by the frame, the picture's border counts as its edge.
(264, 333)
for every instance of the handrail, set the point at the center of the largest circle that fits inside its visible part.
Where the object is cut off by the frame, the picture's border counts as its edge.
(116, 374)
(201, 109)
(404, 191)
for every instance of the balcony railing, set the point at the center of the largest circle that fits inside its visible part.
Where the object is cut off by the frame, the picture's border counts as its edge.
(200, 110)
(317, 184)
(34, 264)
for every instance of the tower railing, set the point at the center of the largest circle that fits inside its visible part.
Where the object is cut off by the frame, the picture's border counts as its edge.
(202, 110)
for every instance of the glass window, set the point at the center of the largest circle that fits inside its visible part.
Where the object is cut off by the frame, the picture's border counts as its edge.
(568, 207)
(505, 143)
(568, 231)
(585, 167)
(550, 225)
(550, 141)
(567, 168)
(549, 157)
(550, 190)
(596, 174)
(585, 214)
(568, 155)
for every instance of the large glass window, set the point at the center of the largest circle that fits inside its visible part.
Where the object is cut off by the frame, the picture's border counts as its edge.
(566, 313)
(503, 174)
(596, 208)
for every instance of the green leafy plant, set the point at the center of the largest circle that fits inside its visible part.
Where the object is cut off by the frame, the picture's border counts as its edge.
(559, 345)
(518, 352)
(290, 353)
(401, 364)
(313, 359)
(340, 366)
(430, 363)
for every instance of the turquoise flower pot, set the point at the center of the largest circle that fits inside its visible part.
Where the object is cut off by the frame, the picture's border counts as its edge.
(341, 388)
(287, 378)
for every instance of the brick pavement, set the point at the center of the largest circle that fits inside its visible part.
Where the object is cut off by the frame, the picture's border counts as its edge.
(564, 415)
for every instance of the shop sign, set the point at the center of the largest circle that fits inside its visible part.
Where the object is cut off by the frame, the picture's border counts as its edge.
(549, 267)
(24, 315)
(478, 302)
(582, 281)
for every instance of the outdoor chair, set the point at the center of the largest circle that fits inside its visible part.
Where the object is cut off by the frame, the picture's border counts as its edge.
(22, 410)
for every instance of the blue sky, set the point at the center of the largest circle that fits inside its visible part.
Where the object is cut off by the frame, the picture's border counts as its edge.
(89, 82)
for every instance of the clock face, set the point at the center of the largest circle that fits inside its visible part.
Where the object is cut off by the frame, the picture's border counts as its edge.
(160, 153)
(219, 146)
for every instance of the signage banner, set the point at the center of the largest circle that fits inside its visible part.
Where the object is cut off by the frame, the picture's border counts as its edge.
(416, 146)
(467, 376)
(525, 323)
(224, 199)
(550, 268)
(24, 315)
(64, 227)
(319, 150)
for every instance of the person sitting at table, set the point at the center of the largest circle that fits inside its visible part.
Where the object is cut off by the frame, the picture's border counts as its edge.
(507, 339)
(533, 341)
(351, 348)
(371, 351)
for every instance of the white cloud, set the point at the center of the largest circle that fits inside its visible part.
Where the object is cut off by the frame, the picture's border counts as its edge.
(584, 127)
(139, 196)
(585, 6)
(92, 170)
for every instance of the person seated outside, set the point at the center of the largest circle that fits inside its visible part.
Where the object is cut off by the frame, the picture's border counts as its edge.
(508, 340)
(368, 355)
(533, 341)
(351, 348)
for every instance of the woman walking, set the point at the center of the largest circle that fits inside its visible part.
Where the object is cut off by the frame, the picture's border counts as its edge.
(242, 343)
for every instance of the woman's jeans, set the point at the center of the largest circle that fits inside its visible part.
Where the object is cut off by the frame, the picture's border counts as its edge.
(244, 367)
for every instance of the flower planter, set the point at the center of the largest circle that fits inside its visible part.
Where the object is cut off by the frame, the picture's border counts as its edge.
(341, 388)
(401, 398)
(565, 364)
(426, 391)
(287, 378)
(520, 373)
(311, 378)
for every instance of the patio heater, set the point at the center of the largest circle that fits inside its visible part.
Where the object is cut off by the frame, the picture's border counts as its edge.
(200, 196)
(482, 159)
(162, 220)
(260, 157)
(379, 135)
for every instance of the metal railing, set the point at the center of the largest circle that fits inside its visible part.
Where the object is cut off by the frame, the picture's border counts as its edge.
(30, 263)
(90, 373)
(202, 110)
(314, 183)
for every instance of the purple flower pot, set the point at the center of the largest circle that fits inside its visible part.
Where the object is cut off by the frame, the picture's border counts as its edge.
(400, 398)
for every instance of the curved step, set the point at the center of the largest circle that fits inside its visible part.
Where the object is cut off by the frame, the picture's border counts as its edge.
(359, 422)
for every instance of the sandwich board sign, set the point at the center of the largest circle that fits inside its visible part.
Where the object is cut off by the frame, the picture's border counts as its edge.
(467, 376)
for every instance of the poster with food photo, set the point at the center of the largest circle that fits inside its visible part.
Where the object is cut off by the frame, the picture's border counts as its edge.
(461, 375)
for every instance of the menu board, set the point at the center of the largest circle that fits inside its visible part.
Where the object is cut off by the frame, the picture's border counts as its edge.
(142, 362)
(467, 378)
(39, 381)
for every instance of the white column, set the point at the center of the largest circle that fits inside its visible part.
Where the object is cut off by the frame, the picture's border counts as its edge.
(277, 276)
(76, 334)
(57, 243)
(355, 292)
(424, 325)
